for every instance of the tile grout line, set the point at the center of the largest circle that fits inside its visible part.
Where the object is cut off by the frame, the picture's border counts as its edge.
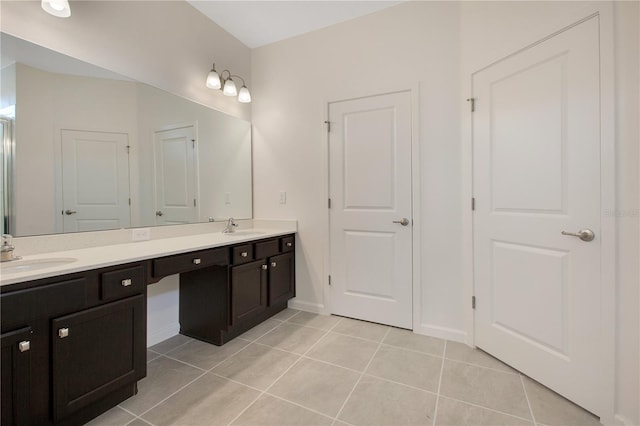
(514, 373)
(361, 376)
(487, 408)
(526, 395)
(285, 372)
(435, 408)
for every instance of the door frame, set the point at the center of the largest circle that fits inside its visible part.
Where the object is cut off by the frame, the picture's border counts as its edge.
(414, 92)
(607, 341)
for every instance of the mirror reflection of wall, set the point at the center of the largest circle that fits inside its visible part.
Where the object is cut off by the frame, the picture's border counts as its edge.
(87, 156)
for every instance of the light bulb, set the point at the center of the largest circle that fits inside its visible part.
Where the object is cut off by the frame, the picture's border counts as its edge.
(213, 79)
(229, 88)
(59, 8)
(244, 96)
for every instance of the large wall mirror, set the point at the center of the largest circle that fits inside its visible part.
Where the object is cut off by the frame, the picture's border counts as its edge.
(85, 149)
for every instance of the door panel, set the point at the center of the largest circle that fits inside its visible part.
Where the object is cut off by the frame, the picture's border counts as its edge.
(536, 166)
(175, 168)
(370, 188)
(95, 181)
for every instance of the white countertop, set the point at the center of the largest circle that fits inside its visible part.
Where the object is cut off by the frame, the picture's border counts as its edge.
(109, 255)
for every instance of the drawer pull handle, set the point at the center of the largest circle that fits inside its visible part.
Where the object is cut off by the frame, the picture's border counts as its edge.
(63, 332)
(24, 346)
(126, 282)
(274, 264)
(244, 254)
(289, 244)
(197, 261)
(265, 267)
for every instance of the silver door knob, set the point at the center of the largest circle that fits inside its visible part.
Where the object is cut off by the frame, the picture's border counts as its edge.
(70, 212)
(63, 332)
(24, 346)
(159, 213)
(404, 221)
(583, 234)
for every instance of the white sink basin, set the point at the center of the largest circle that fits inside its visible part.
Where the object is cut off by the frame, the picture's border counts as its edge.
(246, 233)
(16, 266)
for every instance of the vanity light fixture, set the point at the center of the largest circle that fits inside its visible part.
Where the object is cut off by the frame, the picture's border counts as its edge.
(227, 85)
(59, 8)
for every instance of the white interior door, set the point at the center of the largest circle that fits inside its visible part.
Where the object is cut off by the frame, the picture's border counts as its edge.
(370, 190)
(536, 137)
(95, 181)
(176, 171)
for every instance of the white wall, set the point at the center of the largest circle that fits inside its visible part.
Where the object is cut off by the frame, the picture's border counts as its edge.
(437, 45)
(415, 43)
(167, 44)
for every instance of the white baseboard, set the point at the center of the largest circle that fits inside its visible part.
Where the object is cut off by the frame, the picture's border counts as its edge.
(452, 334)
(161, 334)
(316, 308)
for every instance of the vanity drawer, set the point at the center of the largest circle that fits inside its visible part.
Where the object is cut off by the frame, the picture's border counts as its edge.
(22, 306)
(190, 261)
(242, 254)
(121, 283)
(287, 244)
(267, 248)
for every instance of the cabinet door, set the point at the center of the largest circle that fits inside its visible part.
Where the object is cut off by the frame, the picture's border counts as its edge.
(248, 291)
(97, 351)
(16, 379)
(281, 278)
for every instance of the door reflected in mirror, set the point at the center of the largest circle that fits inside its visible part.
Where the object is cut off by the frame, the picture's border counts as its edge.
(96, 151)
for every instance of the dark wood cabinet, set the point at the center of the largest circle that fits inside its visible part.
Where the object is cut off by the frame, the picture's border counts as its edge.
(282, 276)
(97, 351)
(218, 304)
(16, 372)
(248, 291)
(72, 346)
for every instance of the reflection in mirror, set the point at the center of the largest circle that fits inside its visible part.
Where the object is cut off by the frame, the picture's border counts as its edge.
(94, 150)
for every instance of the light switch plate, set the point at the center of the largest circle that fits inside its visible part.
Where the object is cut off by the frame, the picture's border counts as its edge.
(140, 234)
(283, 197)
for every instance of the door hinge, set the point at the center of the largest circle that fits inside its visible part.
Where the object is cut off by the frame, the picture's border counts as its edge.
(129, 201)
(473, 203)
(194, 202)
(329, 279)
(193, 143)
(128, 149)
(329, 203)
(328, 126)
(473, 103)
(473, 302)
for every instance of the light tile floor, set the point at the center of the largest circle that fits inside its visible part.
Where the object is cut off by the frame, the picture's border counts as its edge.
(300, 368)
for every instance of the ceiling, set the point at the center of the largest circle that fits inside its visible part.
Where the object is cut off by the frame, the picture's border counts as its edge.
(257, 23)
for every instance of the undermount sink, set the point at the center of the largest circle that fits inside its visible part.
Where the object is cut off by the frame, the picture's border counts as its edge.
(15, 266)
(246, 233)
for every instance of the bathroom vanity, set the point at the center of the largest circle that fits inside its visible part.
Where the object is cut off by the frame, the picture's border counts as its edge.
(74, 335)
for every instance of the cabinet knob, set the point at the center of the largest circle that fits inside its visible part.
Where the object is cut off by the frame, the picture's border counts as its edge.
(126, 282)
(24, 346)
(274, 264)
(265, 267)
(244, 254)
(63, 332)
(289, 244)
(197, 261)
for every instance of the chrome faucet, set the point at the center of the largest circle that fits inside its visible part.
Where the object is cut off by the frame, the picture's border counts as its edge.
(6, 249)
(231, 226)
